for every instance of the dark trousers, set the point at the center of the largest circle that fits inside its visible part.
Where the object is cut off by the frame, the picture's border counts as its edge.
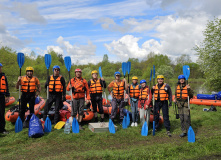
(157, 107)
(184, 114)
(114, 103)
(2, 113)
(57, 98)
(26, 98)
(77, 107)
(97, 102)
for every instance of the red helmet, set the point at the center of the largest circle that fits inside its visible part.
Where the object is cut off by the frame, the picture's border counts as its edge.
(78, 70)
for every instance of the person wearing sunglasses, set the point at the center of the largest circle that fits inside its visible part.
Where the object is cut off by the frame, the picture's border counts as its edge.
(57, 93)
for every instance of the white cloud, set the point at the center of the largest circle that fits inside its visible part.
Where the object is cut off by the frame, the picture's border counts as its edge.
(56, 49)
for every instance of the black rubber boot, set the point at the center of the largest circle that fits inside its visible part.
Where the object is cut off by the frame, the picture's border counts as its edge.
(102, 119)
(183, 135)
(95, 119)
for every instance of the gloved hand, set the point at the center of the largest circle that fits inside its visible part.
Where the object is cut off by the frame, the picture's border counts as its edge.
(64, 98)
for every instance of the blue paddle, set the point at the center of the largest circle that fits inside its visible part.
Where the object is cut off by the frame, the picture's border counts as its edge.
(190, 134)
(18, 124)
(47, 125)
(67, 62)
(75, 126)
(128, 72)
(144, 131)
(124, 68)
(100, 73)
(47, 64)
(153, 101)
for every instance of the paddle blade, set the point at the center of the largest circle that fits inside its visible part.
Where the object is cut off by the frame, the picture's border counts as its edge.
(75, 126)
(150, 74)
(47, 60)
(47, 125)
(128, 67)
(20, 59)
(144, 131)
(124, 124)
(59, 125)
(67, 62)
(153, 128)
(191, 135)
(111, 127)
(186, 71)
(153, 71)
(128, 119)
(124, 68)
(18, 125)
(100, 72)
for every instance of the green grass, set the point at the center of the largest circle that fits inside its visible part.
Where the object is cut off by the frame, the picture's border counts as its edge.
(125, 144)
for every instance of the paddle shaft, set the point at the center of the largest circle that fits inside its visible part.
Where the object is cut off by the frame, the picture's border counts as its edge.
(47, 85)
(71, 88)
(19, 93)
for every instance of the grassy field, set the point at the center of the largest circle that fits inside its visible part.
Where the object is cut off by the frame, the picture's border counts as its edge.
(125, 144)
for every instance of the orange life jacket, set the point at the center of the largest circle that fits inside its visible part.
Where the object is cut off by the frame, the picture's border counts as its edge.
(163, 94)
(134, 92)
(55, 84)
(118, 90)
(95, 86)
(144, 93)
(28, 85)
(3, 87)
(78, 85)
(181, 94)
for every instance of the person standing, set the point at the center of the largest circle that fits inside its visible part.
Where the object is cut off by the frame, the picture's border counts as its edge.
(30, 88)
(117, 96)
(162, 93)
(57, 93)
(134, 92)
(144, 103)
(182, 92)
(79, 87)
(4, 92)
(95, 85)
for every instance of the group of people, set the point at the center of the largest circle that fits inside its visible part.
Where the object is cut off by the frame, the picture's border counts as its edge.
(143, 98)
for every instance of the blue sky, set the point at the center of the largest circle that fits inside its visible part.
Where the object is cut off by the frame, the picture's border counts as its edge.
(88, 29)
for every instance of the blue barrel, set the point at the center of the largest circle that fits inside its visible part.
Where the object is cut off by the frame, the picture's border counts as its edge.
(219, 95)
(206, 96)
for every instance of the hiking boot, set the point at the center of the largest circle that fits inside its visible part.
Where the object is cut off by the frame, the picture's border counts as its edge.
(102, 119)
(96, 119)
(4, 132)
(132, 124)
(169, 134)
(135, 124)
(183, 135)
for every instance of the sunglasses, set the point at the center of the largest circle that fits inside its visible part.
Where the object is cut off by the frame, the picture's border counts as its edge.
(57, 69)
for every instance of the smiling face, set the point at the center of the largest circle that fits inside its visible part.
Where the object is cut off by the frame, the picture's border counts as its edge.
(56, 71)
(160, 81)
(143, 85)
(78, 74)
(134, 81)
(182, 80)
(29, 73)
(94, 75)
(117, 76)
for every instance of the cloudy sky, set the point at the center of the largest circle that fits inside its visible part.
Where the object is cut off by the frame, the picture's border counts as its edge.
(88, 29)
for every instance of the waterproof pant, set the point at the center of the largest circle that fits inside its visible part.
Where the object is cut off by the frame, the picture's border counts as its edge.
(184, 115)
(97, 102)
(2, 113)
(77, 107)
(114, 103)
(145, 113)
(134, 109)
(27, 98)
(57, 98)
(165, 110)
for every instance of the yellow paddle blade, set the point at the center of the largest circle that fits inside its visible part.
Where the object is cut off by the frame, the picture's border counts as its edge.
(59, 125)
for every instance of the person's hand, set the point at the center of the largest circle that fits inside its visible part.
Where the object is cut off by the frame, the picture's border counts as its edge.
(147, 106)
(102, 78)
(188, 86)
(174, 100)
(6, 99)
(70, 86)
(124, 79)
(19, 78)
(153, 87)
(87, 101)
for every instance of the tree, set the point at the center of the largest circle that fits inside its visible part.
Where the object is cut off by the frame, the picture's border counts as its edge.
(166, 71)
(209, 52)
(183, 59)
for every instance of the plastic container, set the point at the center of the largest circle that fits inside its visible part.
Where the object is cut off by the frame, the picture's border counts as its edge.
(206, 96)
(67, 128)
